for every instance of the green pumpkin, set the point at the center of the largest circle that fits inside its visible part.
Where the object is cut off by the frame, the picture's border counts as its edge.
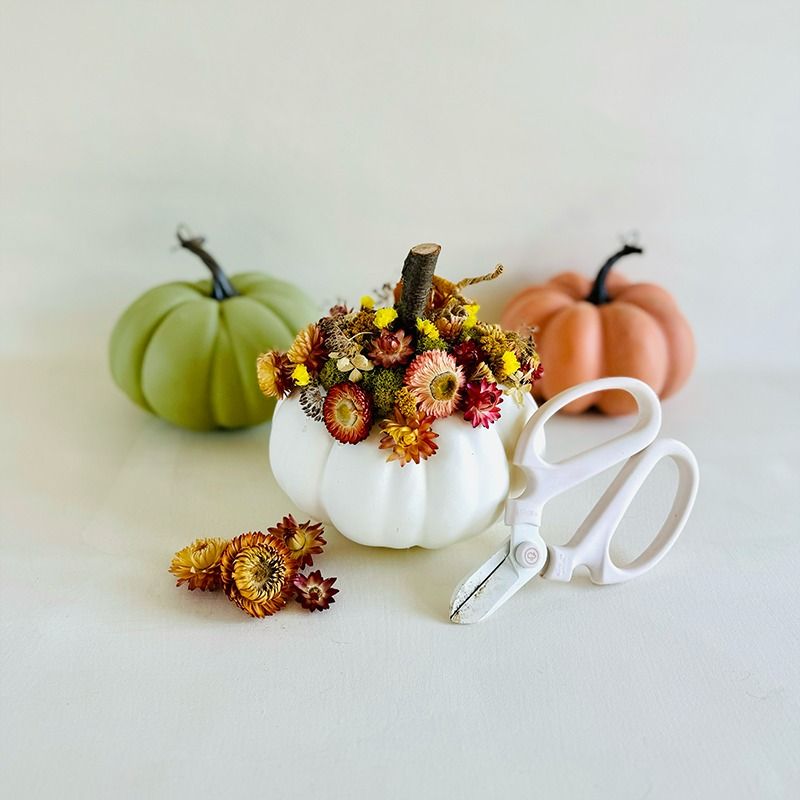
(187, 351)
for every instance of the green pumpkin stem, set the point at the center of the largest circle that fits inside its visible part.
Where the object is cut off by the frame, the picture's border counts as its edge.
(599, 294)
(221, 286)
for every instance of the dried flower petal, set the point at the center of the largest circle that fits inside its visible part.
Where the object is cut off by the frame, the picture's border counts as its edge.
(435, 381)
(409, 438)
(314, 592)
(258, 573)
(391, 349)
(482, 403)
(197, 565)
(274, 372)
(302, 539)
(308, 348)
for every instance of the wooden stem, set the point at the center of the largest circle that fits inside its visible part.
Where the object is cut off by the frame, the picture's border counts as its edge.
(417, 277)
(221, 287)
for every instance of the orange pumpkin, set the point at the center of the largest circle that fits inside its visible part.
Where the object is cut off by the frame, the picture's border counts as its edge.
(611, 327)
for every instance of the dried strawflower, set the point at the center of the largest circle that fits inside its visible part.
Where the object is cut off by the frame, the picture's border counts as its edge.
(197, 565)
(384, 317)
(258, 572)
(482, 403)
(308, 348)
(391, 349)
(311, 400)
(510, 364)
(409, 438)
(467, 355)
(435, 380)
(300, 375)
(427, 328)
(274, 371)
(314, 592)
(302, 539)
(471, 320)
(347, 412)
(450, 328)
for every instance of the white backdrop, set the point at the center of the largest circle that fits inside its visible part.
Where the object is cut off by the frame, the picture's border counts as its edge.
(320, 140)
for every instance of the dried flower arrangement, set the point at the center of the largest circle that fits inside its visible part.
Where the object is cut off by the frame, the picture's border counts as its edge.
(260, 572)
(405, 365)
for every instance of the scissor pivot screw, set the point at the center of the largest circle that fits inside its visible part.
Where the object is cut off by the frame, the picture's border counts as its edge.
(527, 554)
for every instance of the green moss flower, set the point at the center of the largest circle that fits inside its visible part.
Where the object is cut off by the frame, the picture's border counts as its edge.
(330, 375)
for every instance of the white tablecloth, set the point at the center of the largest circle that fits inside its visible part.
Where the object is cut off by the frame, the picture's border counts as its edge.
(684, 683)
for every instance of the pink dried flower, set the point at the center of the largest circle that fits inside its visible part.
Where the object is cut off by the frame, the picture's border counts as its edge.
(435, 380)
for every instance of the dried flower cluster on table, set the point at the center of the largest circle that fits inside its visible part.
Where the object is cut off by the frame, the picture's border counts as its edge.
(403, 360)
(260, 572)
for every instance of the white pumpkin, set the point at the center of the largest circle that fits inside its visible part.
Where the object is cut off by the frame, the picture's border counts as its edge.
(457, 493)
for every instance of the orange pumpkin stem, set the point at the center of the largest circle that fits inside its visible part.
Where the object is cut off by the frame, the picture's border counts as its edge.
(221, 286)
(599, 294)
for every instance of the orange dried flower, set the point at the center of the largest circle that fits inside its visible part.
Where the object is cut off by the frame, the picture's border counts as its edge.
(308, 348)
(302, 539)
(274, 372)
(258, 572)
(409, 438)
(198, 564)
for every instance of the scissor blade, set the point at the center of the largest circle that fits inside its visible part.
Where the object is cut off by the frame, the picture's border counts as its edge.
(486, 589)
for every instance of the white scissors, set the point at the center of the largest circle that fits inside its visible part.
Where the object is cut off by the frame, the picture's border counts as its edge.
(525, 555)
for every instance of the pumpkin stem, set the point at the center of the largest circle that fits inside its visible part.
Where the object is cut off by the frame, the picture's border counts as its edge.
(599, 294)
(221, 287)
(417, 278)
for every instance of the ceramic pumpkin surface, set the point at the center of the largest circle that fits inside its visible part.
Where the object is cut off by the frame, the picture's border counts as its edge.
(457, 494)
(185, 351)
(604, 328)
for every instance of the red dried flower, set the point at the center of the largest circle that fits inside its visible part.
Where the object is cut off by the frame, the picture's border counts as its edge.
(302, 539)
(391, 349)
(468, 355)
(537, 373)
(482, 403)
(314, 592)
(347, 413)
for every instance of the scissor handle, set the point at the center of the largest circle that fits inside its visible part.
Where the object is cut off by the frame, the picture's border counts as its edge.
(545, 479)
(590, 546)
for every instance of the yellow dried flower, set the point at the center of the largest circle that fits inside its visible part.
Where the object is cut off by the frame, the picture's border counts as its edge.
(301, 375)
(384, 317)
(427, 328)
(197, 565)
(367, 301)
(405, 402)
(471, 319)
(510, 363)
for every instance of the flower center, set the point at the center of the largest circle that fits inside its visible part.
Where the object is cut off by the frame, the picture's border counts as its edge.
(444, 386)
(259, 573)
(346, 414)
